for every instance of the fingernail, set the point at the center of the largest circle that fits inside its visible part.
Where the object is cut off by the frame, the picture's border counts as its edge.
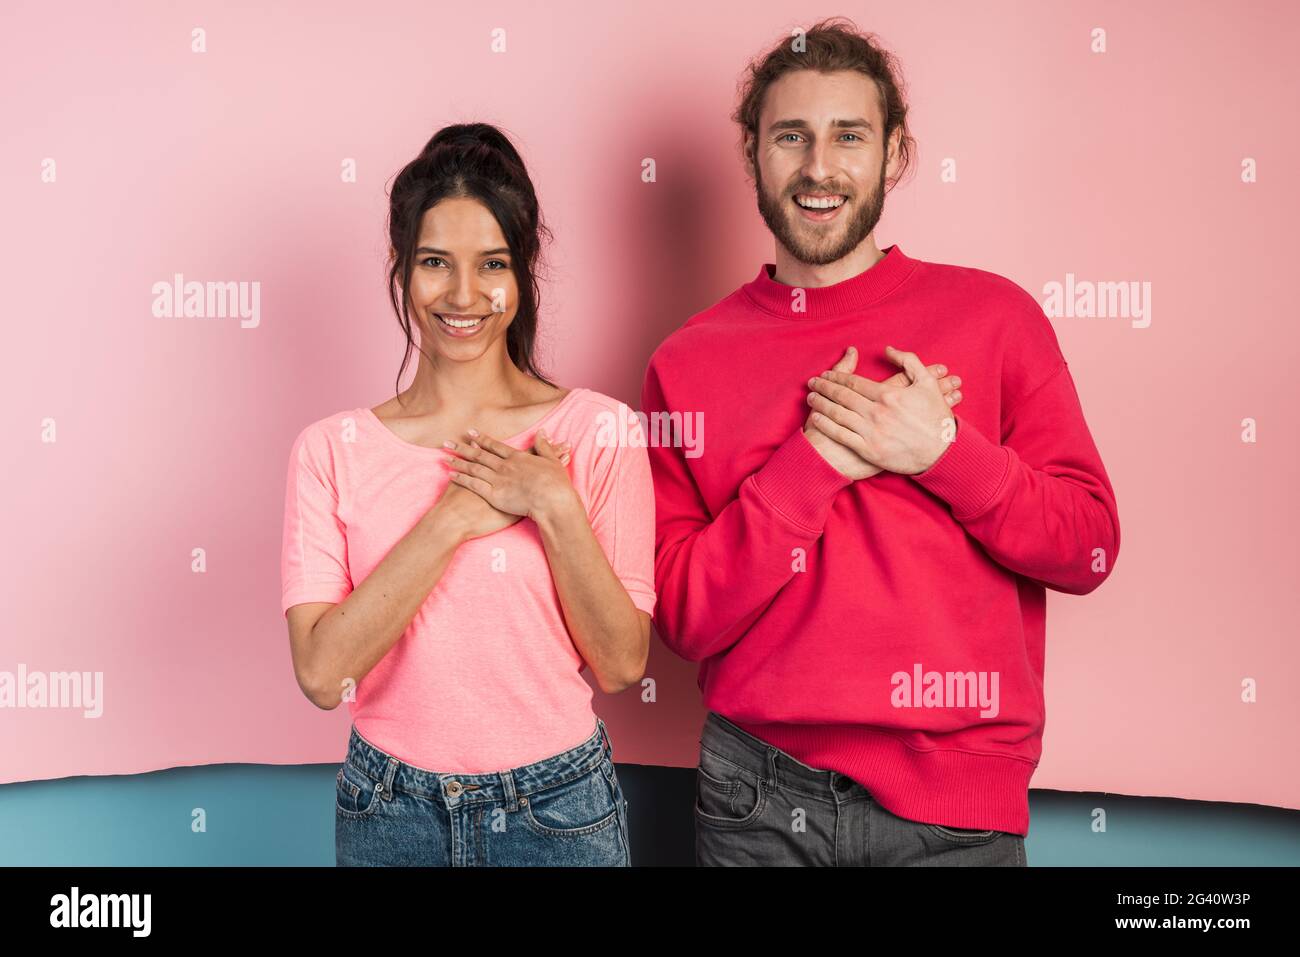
(448, 445)
(473, 431)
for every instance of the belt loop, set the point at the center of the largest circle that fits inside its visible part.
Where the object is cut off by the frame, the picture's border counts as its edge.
(390, 773)
(604, 736)
(771, 767)
(508, 783)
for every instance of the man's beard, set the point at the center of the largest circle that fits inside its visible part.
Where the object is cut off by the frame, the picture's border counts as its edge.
(779, 215)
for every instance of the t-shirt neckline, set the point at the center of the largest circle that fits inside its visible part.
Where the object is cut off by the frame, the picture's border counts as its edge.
(368, 414)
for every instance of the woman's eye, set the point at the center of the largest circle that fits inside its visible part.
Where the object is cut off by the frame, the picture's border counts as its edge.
(429, 259)
(498, 262)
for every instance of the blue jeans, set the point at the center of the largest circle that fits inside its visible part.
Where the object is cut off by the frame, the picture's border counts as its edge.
(757, 805)
(565, 810)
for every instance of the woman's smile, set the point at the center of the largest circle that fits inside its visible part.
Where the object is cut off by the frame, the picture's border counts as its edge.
(460, 326)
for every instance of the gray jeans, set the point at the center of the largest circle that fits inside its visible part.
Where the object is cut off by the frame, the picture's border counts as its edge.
(758, 806)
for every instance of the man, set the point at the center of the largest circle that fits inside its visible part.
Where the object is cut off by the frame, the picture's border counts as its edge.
(858, 563)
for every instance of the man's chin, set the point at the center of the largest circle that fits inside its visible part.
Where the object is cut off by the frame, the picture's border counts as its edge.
(816, 254)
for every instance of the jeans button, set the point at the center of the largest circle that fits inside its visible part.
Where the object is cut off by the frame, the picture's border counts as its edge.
(842, 783)
(454, 788)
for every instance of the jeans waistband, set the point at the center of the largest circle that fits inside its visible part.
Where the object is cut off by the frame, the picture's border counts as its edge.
(497, 786)
(767, 761)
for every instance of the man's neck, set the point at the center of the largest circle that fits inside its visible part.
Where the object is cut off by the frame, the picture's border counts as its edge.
(792, 272)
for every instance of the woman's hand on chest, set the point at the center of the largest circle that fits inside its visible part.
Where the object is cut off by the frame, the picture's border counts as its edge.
(532, 483)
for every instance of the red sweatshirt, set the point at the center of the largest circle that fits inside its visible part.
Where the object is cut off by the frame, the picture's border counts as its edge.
(889, 628)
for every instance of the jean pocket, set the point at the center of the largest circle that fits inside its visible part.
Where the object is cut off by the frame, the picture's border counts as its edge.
(573, 808)
(356, 794)
(961, 835)
(727, 795)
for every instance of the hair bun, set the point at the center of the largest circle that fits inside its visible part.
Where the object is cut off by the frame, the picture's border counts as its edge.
(469, 136)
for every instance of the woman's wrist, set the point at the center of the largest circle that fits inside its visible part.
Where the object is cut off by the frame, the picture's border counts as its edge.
(557, 507)
(444, 525)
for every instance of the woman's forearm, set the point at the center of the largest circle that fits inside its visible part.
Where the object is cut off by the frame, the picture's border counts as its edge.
(604, 623)
(354, 635)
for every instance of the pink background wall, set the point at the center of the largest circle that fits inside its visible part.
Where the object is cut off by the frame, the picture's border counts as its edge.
(173, 434)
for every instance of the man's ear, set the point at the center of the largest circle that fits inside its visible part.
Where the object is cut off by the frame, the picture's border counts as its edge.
(748, 151)
(891, 166)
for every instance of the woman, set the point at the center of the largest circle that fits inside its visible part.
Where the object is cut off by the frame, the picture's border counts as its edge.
(456, 556)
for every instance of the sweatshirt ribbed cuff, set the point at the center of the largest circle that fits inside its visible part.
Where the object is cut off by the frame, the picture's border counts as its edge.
(970, 472)
(799, 483)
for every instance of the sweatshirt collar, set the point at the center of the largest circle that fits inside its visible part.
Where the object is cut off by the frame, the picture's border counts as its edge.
(857, 292)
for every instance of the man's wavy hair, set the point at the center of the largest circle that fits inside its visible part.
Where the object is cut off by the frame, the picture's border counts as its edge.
(832, 44)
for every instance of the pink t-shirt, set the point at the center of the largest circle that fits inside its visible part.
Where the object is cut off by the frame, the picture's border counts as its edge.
(486, 676)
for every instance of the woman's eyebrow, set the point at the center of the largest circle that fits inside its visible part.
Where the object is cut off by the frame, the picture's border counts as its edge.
(500, 250)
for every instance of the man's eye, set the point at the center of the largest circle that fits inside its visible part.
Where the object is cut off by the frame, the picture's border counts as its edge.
(787, 135)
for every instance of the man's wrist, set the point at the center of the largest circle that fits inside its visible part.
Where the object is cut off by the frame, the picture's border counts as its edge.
(969, 473)
(942, 448)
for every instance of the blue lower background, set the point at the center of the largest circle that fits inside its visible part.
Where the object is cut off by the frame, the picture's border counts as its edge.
(284, 815)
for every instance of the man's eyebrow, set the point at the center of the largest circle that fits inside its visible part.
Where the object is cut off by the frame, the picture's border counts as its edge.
(852, 122)
(499, 251)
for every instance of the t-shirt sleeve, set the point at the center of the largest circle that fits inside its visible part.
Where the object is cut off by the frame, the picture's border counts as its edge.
(314, 551)
(622, 513)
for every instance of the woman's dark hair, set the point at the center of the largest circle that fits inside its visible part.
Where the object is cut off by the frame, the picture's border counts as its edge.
(473, 160)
